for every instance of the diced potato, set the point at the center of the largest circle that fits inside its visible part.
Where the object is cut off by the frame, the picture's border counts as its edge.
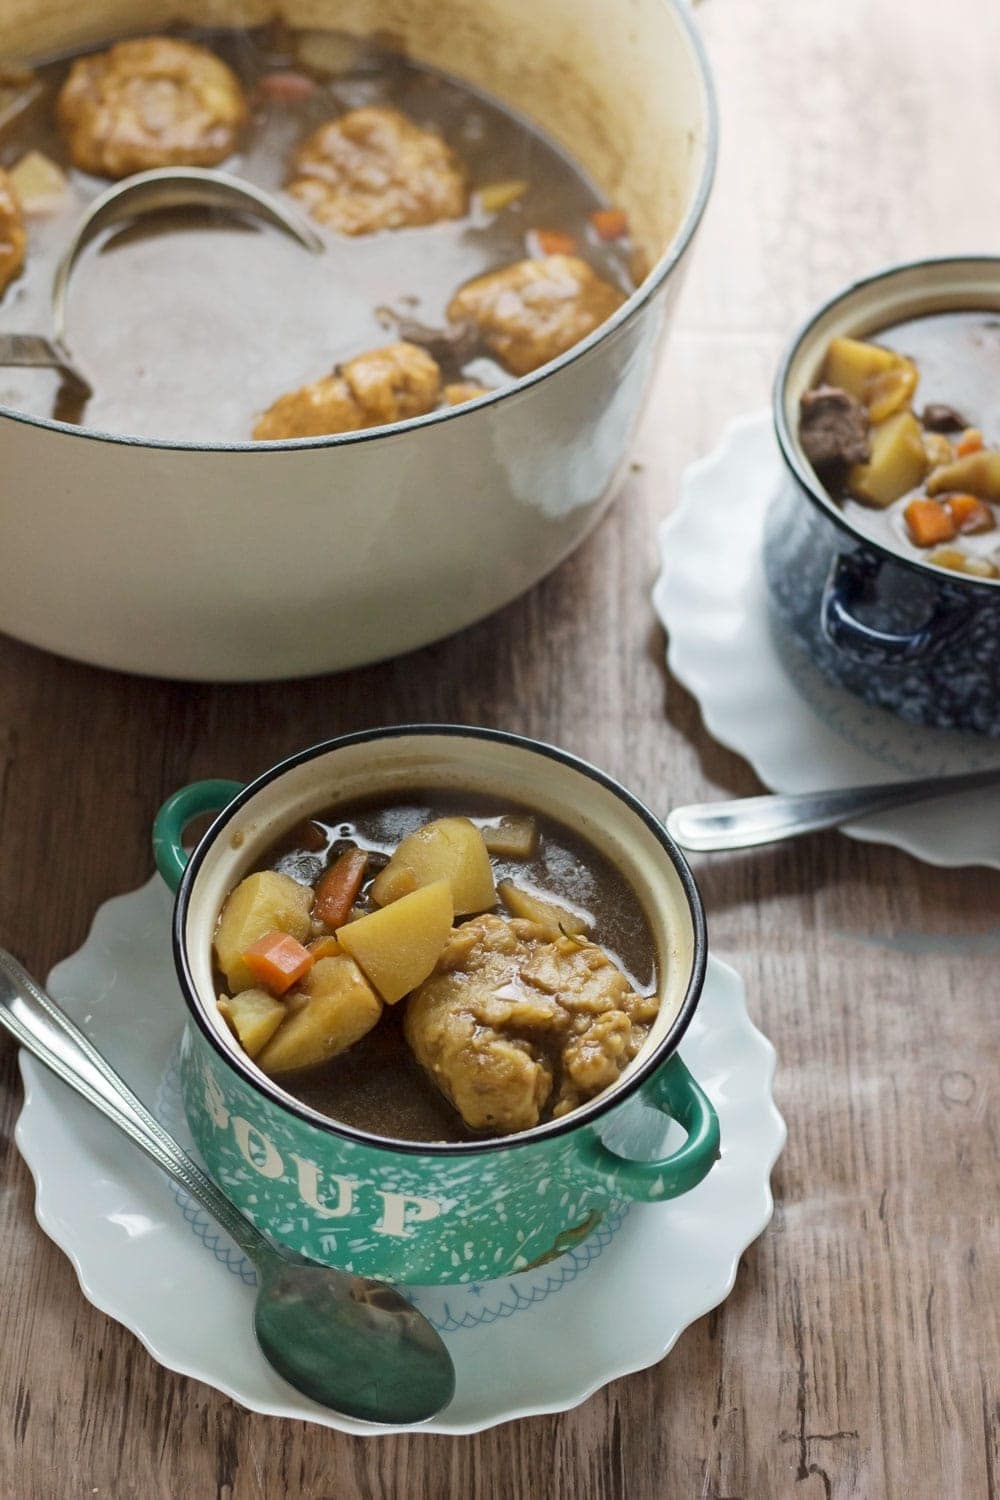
(259, 904)
(499, 195)
(325, 946)
(962, 562)
(938, 449)
(254, 1015)
(851, 363)
(398, 946)
(514, 837)
(340, 1008)
(449, 849)
(975, 474)
(329, 52)
(556, 919)
(39, 185)
(890, 390)
(898, 462)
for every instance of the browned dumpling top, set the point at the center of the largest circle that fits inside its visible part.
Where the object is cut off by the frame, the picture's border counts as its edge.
(510, 1017)
(382, 386)
(534, 310)
(373, 168)
(150, 102)
(13, 238)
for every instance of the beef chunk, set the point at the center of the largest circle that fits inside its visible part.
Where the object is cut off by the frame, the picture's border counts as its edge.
(833, 428)
(939, 417)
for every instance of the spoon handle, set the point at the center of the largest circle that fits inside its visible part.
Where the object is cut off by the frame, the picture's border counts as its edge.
(708, 827)
(44, 1029)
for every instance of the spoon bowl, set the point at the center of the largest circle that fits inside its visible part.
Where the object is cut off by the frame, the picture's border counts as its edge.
(144, 193)
(350, 1343)
(313, 1325)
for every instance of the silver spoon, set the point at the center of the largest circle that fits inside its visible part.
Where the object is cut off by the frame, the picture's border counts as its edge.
(172, 187)
(710, 827)
(351, 1344)
(145, 193)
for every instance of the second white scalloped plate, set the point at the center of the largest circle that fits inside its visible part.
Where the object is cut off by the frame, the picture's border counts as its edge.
(541, 1342)
(761, 696)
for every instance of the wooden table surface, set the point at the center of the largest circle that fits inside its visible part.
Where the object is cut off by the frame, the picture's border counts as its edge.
(857, 1355)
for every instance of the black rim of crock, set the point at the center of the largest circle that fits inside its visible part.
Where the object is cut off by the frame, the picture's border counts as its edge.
(586, 1113)
(634, 304)
(803, 473)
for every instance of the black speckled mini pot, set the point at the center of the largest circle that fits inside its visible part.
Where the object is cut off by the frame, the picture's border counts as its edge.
(901, 634)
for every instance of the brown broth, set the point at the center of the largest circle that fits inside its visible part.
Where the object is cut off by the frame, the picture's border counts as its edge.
(377, 1085)
(190, 324)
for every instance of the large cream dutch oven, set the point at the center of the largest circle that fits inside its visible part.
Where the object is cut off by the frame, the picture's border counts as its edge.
(261, 561)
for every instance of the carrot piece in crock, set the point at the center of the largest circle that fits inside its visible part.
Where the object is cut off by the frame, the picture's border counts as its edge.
(928, 522)
(277, 960)
(610, 223)
(970, 442)
(286, 86)
(970, 514)
(338, 887)
(554, 241)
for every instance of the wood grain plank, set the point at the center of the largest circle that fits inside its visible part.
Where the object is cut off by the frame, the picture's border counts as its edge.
(857, 1356)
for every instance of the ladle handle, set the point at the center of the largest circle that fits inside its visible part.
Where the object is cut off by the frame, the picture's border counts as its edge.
(35, 1020)
(709, 827)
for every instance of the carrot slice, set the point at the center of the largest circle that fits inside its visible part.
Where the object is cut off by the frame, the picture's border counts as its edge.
(970, 514)
(928, 522)
(277, 960)
(338, 887)
(286, 86)
(554, 241)
(970, 442)
(610, 223)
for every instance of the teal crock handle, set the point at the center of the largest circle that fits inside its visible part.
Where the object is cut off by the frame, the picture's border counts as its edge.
(174, 816)
(675, 1092)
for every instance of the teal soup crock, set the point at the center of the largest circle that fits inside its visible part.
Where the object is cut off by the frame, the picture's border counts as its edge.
(430, 1214)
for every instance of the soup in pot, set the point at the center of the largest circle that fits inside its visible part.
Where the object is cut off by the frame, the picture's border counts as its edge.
(460, 247)
(904, 431)
(437, 968)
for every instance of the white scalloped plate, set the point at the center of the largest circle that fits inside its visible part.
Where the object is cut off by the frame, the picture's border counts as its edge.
(541, 1342)
(759, 693)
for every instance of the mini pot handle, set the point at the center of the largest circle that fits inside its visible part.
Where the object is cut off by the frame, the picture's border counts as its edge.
(675, 1093)
(851, 579)
(174, 816)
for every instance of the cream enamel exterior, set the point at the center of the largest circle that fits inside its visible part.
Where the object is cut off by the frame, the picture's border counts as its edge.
(173, 560)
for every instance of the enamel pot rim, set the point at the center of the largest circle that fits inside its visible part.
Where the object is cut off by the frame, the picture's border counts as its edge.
(791, 453)
(586, 1114)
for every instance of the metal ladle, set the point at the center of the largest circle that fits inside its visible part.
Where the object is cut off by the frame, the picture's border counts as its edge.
(144, 193)
(351, 1344)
